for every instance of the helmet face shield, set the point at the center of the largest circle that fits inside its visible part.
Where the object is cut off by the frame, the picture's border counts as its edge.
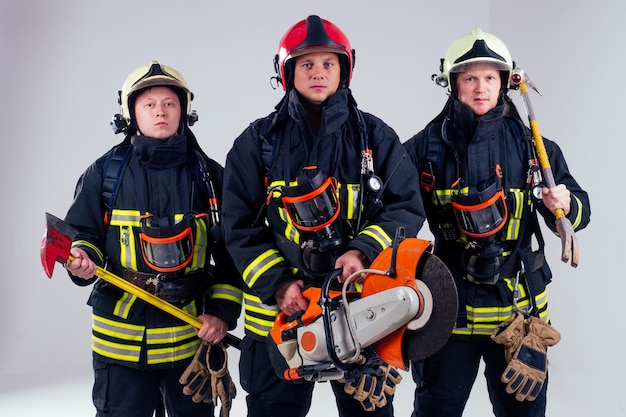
(482, 215)
(315, 210)
(167, 248)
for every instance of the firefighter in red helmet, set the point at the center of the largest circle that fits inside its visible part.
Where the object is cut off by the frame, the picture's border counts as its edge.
(315, 186)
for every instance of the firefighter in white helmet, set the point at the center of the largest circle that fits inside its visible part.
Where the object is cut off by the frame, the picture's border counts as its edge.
(477, 170)
(148, 210)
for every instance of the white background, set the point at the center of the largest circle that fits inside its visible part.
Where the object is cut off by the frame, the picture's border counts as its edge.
(63, 62)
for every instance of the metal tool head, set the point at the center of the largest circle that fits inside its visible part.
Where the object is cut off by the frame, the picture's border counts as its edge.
(56, 243)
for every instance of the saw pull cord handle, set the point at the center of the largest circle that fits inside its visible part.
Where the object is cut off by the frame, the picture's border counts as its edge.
(569, 243)
(156, 302)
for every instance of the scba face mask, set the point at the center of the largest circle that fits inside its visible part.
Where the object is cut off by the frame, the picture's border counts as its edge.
(312, 205)
(167, 248)
(481, 214)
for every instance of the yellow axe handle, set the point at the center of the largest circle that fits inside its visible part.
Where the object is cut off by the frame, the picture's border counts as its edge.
(146, 296)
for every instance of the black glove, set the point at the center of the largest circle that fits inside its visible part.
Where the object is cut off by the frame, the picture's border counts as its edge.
(196, 379)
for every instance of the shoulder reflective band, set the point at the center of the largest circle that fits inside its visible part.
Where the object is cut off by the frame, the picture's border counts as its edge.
(315, 210)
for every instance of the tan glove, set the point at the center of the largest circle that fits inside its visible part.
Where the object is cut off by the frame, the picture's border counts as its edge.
(392, 378)
(372, 390)
(196, 379)
(510, 334)
(368, 389)
(526, 371)
(222, 385)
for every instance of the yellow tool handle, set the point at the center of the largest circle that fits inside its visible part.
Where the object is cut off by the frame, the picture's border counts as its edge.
(542, 154)
(146, 296)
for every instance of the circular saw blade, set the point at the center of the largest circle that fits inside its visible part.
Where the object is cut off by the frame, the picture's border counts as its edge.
(423, 342)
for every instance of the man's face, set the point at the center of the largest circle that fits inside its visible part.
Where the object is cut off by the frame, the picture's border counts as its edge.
(479, 87)
(317, 75)
(157, 112)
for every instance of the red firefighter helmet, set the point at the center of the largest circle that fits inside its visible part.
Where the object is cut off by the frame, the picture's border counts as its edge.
(313, 35)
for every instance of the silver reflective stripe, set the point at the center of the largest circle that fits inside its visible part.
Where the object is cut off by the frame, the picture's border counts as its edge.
(122, 352)
(172, 354)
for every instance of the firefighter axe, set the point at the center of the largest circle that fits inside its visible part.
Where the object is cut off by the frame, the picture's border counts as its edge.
(569, 243)
(55, 247)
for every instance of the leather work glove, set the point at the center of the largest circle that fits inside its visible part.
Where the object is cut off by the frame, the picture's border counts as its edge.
(196, 379)
(510, 334)
(392, 378)
(526, 371)
(222, 385)
(371, 389)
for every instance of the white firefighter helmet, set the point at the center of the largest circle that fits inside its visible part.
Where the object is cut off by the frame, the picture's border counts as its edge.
(476, 46)
(152, 75)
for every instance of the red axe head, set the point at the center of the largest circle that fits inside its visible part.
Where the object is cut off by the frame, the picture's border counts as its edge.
(56, 243)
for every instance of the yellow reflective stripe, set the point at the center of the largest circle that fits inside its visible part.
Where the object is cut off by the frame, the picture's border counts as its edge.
(488, 314)
(90, 246)
(126, 220)
(484, 320)
(130, 218)
(255, 302)
(200, 245)
(124, 304)
(579, 213)
(351, 200)
(117, 329)
(227, 292)
(260, 265)
(257, 325)
(171, 335)
(128, 353)
(128, 256)
(172, 354)
(515, 216)
(378, 234)
(444, 196)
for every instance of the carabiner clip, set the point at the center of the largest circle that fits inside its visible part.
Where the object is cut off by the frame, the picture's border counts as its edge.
(524, 311)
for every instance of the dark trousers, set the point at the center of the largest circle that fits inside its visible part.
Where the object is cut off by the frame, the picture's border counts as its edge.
(271, 396)
(120, 391)
(445, 379)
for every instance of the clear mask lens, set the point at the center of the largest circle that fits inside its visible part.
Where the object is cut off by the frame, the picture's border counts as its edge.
(167, 249)
(483, 216)
(315, 210)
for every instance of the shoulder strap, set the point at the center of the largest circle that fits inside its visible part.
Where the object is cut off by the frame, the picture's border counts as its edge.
(431, 160)
(268, 144)
(113, 169)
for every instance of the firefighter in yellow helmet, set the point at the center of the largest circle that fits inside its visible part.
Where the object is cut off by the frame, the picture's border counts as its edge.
(148, 210)
(298, 205)
(477, 169)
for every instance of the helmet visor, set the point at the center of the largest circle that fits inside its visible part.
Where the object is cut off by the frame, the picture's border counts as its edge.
(469, 65)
